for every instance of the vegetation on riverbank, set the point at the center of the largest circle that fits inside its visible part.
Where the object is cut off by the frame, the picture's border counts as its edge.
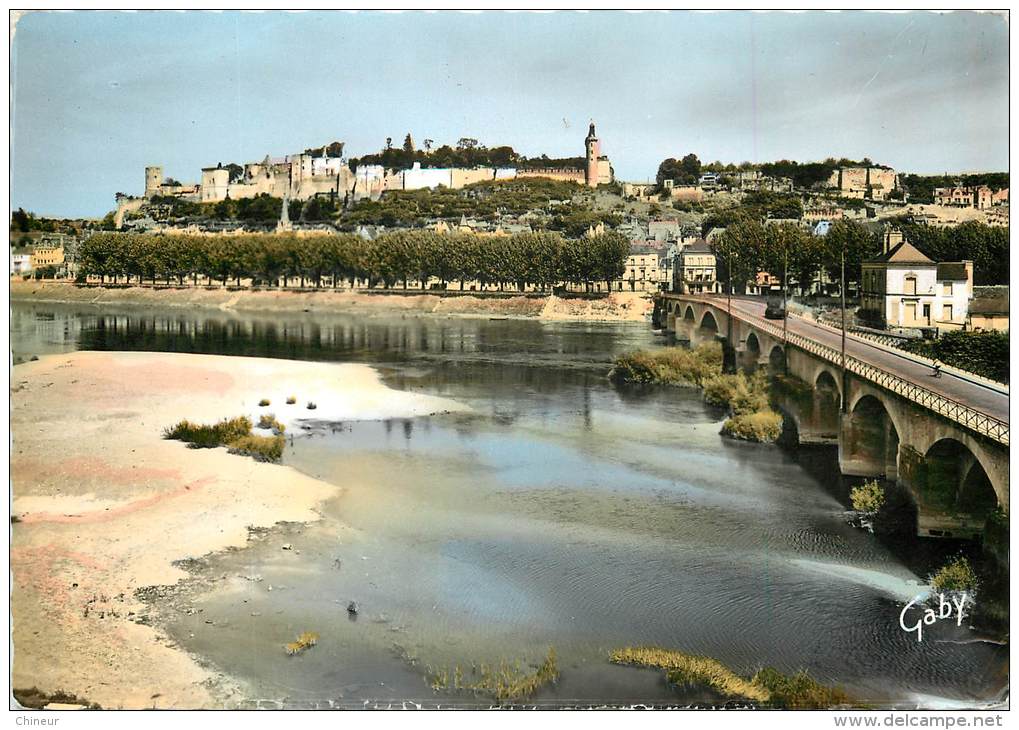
(669, 366)
(504, 682)
(234, 433)
(761, 426)
(983, 353)
(956, 575)
(746, 397)
(868, 497)
(768, 686)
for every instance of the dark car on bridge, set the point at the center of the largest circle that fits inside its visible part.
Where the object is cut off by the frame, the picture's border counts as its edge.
(775, 308)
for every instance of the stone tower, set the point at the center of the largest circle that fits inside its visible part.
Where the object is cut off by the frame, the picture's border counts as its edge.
(153, 179)
(593, 147)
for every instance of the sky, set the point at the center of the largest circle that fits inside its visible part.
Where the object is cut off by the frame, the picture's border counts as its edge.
(97, 96)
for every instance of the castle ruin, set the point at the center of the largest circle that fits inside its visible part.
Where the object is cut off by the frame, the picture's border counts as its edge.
(304, 176)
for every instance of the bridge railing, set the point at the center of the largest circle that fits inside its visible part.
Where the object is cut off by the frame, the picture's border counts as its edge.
(953, 410)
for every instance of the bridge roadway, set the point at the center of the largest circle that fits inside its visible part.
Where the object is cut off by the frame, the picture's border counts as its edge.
(979, 397)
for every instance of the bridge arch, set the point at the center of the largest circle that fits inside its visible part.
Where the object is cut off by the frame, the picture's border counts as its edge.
(827, 399)
(689, 313)
(708, 321)
(871, 440)
(753, 344)
(950, 478)
(827, 381)
(776, 360)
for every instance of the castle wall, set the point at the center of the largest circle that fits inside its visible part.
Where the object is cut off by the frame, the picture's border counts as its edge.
(465, 176)
(418, 177)
(566, 175)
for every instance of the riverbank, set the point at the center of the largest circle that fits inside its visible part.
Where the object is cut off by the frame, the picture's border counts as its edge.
(615, 307)
(103, 505)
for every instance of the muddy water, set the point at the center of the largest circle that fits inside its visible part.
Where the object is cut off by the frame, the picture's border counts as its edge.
(564, 513)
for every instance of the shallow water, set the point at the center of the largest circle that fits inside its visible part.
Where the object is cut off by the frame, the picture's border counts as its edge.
(563, 513)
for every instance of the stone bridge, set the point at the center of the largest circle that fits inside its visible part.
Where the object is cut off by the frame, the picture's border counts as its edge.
(887, 416)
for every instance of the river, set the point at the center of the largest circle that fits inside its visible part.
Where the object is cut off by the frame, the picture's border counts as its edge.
(564, 512)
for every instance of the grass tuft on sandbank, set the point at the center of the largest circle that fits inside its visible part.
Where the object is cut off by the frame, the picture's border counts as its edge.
(504, 682)
(684, 668)
(261, 448)
(235, 434)
(268, 420)
(304, 642)
(768, 686)
(201, 436)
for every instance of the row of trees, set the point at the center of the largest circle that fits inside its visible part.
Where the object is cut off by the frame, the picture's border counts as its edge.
(468, 152)
(986, 246)
(749, 246)
(787, 250)
(540, 260)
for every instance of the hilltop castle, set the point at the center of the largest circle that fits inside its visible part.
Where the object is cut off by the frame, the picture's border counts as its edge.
(306, 175)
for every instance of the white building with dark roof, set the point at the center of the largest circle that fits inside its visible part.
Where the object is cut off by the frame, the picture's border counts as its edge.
(904, 288)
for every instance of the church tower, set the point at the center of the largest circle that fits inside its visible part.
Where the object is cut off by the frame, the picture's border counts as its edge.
(593, 147)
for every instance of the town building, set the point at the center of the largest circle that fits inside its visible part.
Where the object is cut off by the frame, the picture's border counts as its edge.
(988, 309)
(641, 273)
(21, 260)
(47, 254)
(696, 270)
(904, 288)
(664, 229)
(976, 196)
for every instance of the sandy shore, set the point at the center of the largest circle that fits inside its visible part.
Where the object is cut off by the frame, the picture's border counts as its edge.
(616, 307)
(105, 505)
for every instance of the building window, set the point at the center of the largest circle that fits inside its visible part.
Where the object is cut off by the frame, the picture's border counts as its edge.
(946, 313)
(927, 313)
(947, 291)
(910, 285)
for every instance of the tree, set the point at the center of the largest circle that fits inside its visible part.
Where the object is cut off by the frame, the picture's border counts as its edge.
(408, 145)
(780, 244)
(691, 168)
(738, 250)
(857, 244)
(20, 221)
